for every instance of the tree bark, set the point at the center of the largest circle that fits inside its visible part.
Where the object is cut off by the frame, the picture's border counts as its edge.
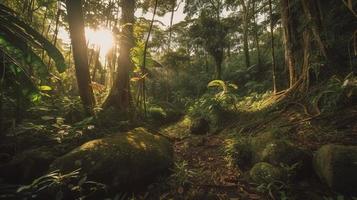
(76, 29)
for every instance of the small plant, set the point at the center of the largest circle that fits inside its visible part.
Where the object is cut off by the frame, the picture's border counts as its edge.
(335, 92)
(157, 113)
(182, 174)
(59, 186)
(274, 188)
(225, 95)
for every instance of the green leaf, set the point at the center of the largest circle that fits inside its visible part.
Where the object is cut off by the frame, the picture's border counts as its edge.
(45, 88)
(11, 25)
(47, 118)
(218, 83)
(234, 86)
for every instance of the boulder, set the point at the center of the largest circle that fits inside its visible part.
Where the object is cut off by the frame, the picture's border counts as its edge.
(199, 126)
(25, 167)
(263, 172)
(282, 152)
(336, 165)
(125, 161)
(273, 149)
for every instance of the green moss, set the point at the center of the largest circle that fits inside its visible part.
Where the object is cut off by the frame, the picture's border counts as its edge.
(272, 148)
(157, 113)
(259, 143)
(124, 160)
(283, 152)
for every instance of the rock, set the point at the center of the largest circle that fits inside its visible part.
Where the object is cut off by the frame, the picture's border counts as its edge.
(282, 152)
(25, 167)
(336, 165)
(274, 149)
(199, 126)
(125, 161)
(263, 172)
(258, 144)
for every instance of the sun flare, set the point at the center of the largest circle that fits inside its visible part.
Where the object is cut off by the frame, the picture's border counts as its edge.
(101, 38)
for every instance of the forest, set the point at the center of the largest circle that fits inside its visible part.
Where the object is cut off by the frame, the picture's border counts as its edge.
(178, 99)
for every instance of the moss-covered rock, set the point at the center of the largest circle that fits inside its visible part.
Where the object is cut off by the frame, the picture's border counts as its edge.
(199, 126)
(272, 148)
(282, 152)
(336, 165)
(124, 161)
(259, 143)
(263, 172)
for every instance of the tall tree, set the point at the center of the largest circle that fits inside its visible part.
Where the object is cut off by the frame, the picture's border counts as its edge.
(76, 30)
(245, 4)
(272, 46)
(307, 30)
(119, 96)
(209, 29)
(211, 34)
(256, 31)
(288, 22)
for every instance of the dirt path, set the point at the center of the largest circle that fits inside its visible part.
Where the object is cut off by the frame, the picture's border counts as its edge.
(205, 155)
(210, 174)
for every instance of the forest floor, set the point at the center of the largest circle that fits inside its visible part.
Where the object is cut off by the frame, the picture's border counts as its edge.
(207, 172)
(205, 154)
(203, 169)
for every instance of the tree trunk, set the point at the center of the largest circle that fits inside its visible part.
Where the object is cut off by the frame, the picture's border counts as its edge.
(144, 61)
(171, 20)
(218, 71)
(76, 29)
(245, 32)
(312, 14)
(288, 40)
(2, 77)
(96, 65)
(256, 37)
(167, 87)
(305, 84)
(245, 42)
(272, 47)
(119, 96)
